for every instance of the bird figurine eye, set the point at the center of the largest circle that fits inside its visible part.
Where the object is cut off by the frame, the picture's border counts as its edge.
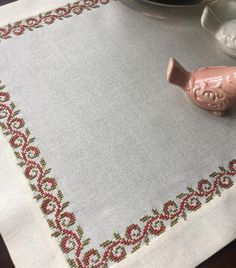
(211, 88)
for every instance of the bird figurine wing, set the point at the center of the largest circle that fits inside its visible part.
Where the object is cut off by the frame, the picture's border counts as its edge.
(211, 88)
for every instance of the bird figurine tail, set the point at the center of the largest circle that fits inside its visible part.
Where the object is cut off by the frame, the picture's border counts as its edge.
(209, 21)
(177, 75)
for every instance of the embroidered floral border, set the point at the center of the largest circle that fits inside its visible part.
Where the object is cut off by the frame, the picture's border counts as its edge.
(61, 220)
(77, 8)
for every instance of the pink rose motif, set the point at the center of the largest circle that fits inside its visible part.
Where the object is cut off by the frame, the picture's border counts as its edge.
(4, 97)
(170, 208)
(91, 257)
(67, 219)
(49, 19)
(133, 232)
(49, 184)
(18, 30)
(157, 227)
(204, 186)
(48, 206)
(67, 244)
(17, 123)
(225, 182)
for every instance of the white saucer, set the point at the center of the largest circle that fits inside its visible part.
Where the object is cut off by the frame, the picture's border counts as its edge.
(168, 12)
(156, 3)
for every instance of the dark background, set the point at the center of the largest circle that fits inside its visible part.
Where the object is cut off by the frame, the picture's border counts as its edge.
(4, 2)
(224, 258)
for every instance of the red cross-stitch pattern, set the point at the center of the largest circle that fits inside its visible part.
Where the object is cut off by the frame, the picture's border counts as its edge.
(77, 8)
(63, 222)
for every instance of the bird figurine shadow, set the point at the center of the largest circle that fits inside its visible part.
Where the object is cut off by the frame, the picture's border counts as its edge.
(224, 33)
(211, 88)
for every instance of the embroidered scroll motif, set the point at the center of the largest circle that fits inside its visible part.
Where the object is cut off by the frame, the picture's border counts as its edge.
(63, 222)
(50, 17)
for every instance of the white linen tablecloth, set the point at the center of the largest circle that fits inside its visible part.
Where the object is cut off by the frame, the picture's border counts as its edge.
(114, 142)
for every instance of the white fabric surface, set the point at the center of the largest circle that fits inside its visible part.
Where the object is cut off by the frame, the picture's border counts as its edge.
(126, 136)
(109, 125)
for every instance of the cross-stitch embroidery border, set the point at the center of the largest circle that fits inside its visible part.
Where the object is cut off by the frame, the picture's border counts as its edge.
(65, 227)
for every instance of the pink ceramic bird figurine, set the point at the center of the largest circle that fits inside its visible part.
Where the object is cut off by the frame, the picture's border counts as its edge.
(211, 88)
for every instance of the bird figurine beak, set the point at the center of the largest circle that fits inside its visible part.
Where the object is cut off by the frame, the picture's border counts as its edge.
(224, 33)
(211, 88)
